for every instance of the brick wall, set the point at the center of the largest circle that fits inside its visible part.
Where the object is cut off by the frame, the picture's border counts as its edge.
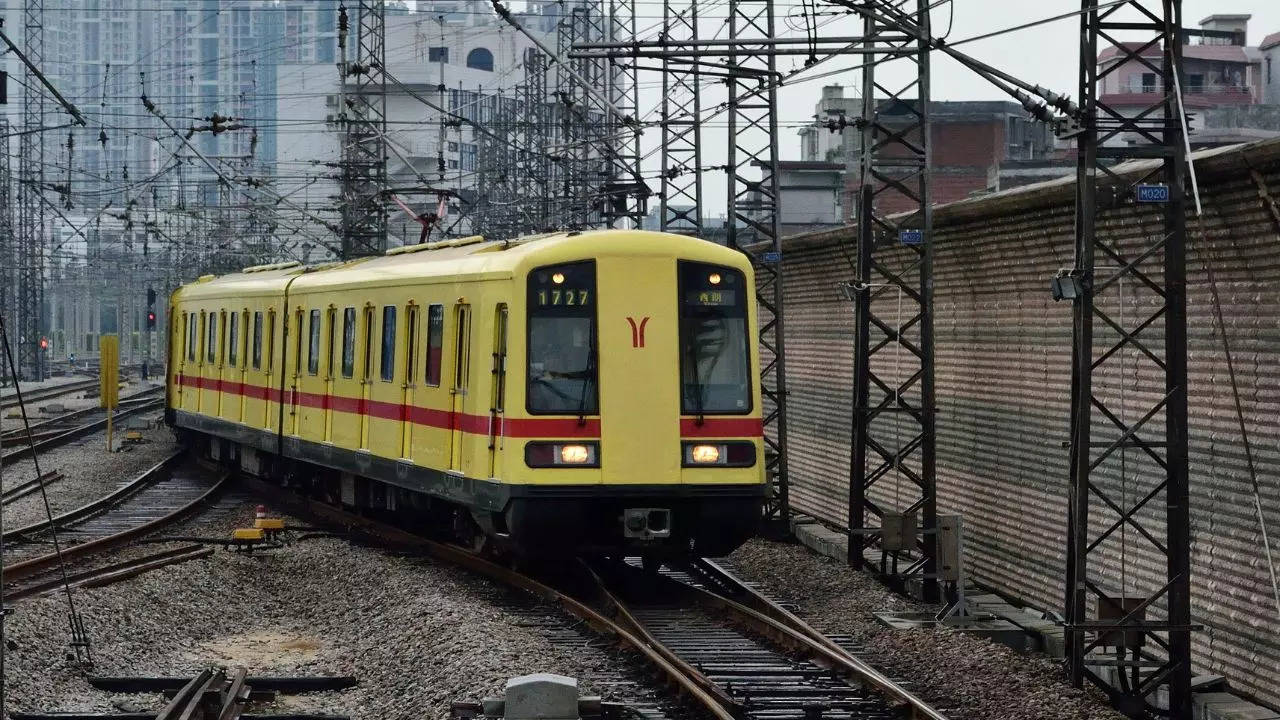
(1003, 379)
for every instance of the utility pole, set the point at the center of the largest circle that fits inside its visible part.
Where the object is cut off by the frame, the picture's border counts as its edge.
(1129, 394)
(893, 438)
(364, 118)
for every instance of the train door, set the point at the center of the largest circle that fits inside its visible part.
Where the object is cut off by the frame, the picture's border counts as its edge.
(386, 416)
(497, 407)
(461, 368)
(409, 381)
(242, 338)
(366, 373)
(295, 373)
(222, 362)
(432, 426)
(330, 370)
(201, 368)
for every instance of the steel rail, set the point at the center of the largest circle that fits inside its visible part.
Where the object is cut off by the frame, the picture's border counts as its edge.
(803, 644)
(93, 508)
(19, 434)
(26, 487)
(27, 568)
(32, 396)
(78, 432)
(99, 576)
(470, 561)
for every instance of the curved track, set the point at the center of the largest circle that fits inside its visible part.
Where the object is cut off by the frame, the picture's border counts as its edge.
(158, 497)
(33, 396)
(62, 429)
(730, 650)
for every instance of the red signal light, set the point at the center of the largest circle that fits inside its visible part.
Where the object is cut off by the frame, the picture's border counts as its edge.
(44, 343)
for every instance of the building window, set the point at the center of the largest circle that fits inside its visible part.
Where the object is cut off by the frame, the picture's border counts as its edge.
(440, 55)
(480, 59)
(1195, 83)
(1148, 82)
(1269, 80)
(468, 156)
(453, 146)
(453, 164)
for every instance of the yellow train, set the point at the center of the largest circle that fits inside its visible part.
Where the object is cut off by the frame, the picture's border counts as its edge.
(578, 391)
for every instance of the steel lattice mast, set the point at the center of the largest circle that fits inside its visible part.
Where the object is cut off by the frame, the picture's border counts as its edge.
(364, 151)
(30, 259)
(893, 403)
(681, 197)
(1129, 395)
(753, 213)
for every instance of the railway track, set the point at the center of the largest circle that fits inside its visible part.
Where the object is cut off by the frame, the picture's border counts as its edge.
(10, 400)
(723, 645)
(162, 495)
(74, 425)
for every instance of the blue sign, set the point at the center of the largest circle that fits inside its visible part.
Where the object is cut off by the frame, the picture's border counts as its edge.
(910, 237)
(1153, 193)
(771, 257)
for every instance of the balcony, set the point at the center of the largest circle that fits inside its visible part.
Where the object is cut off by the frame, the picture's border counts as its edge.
(1195, 94)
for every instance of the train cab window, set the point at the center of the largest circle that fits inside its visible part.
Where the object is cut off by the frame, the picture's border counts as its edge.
(257, 340)
(715, 373)
(387, 362)
(562, 371)
(233, 340)
(313, 344)
(435, 343)
(348, 342)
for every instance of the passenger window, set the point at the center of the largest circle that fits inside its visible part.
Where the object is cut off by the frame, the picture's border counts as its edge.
(233, 340)
(195, 338)
(257, 340)
(222, 337)
(411, 343)
(388, 360)
(435, 341)
(212, 341)
(186, 336)
(313, 344)
(366, 369)
(333, 321)
(271, 338)
(297, 342)
(348, 342)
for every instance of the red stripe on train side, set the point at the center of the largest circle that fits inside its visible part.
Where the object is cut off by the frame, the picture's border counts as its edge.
(429, 417)
(721, 427)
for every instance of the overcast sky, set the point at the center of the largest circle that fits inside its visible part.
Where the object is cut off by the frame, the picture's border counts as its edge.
(1046, 54)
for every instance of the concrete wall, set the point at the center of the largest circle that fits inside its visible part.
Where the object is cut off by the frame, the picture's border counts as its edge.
(1003, 379)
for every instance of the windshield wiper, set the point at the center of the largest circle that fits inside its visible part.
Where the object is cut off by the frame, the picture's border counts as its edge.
(589, 375)
(697, 381)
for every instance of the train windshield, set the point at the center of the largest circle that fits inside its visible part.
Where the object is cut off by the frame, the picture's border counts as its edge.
(715, 370)
(562, 340)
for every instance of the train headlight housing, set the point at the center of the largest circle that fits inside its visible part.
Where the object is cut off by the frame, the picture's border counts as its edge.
(562, 454)
(731, 453)
(706, 454)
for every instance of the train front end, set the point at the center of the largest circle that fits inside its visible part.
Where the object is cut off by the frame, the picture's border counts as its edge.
(641, 414)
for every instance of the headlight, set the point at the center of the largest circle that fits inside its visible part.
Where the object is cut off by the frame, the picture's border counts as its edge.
(706, 454)
(734, 453)
(562, 454)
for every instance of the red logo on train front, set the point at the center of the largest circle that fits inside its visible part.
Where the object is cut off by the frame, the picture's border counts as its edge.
(637, 331)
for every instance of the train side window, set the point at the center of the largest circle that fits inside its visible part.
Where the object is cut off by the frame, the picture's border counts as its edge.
(367, 368)
(462, 356)
(200, 333)
(435, 342)
(348, 342)
(257, 340)
(271, 338)
(233, 340)
(186, 335)
(410, 342)
(222, 337)
(387, 361)
(313, 344)
(333, 322)
(297, 342)
(212, 341)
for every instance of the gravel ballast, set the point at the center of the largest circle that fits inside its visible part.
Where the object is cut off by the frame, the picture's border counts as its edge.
(417, 635)
(972, 678)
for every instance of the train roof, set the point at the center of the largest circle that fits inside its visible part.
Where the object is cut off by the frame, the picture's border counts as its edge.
(463, 260)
